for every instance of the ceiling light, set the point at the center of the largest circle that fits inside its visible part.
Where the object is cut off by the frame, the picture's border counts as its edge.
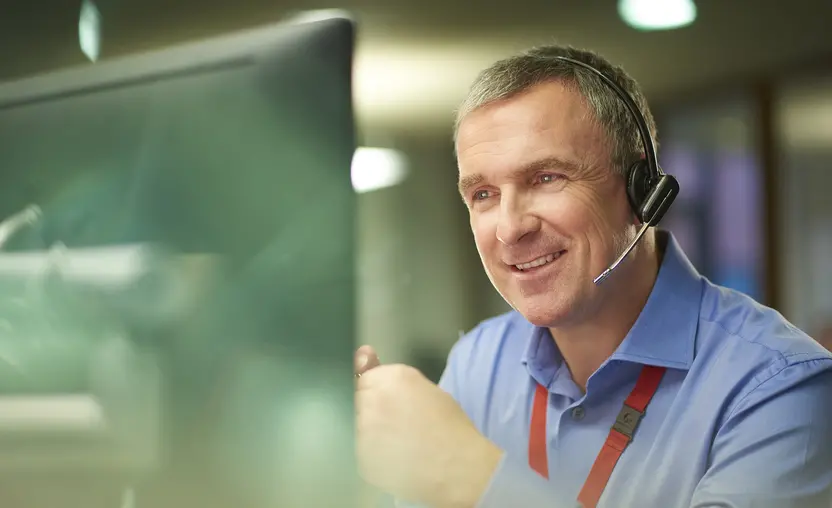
(377, 168)
(657, 14)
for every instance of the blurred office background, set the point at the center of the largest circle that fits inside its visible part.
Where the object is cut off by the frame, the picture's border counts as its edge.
(742, 94)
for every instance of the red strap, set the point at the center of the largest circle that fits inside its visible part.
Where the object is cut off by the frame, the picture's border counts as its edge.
(619, 437)
(646, 386)
(538, 458)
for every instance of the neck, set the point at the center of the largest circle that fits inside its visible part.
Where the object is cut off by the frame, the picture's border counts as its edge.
(588, 343)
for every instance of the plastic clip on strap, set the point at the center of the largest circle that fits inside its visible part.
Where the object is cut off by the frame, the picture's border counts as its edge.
(619, 437)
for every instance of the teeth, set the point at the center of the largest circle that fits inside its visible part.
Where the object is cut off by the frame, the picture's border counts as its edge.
(538, 262)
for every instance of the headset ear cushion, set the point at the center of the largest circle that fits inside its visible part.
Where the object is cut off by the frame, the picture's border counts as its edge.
(638, 186)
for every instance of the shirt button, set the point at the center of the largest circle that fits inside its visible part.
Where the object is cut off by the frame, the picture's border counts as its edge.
(578, 413)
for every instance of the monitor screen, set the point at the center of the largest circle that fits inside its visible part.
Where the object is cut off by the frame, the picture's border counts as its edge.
(225, 161)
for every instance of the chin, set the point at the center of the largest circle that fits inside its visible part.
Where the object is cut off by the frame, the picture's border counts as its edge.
(544, 311)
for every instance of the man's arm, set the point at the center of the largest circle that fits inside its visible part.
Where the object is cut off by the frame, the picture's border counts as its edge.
(775, 448)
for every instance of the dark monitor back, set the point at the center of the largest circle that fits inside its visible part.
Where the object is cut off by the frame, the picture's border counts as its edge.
(238, 148)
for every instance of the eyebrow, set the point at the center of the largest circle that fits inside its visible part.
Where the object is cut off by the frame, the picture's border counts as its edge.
(547, 163)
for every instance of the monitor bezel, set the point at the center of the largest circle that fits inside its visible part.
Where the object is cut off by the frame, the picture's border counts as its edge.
(210, 55)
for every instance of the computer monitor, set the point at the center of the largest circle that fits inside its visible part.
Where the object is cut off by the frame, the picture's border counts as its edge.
(232, 156)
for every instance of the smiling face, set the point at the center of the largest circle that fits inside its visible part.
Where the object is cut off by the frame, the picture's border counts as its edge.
(548, 211)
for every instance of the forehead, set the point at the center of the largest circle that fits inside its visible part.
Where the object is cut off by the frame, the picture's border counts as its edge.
(549, 120)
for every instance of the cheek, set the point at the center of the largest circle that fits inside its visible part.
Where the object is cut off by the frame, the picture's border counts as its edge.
(576, 212)
(485, 235)
(602, 221)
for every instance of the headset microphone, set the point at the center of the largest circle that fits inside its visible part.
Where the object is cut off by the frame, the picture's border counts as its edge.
(661, 198)
(649, 190)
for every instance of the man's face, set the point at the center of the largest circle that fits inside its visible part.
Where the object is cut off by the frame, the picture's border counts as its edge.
(547, 210)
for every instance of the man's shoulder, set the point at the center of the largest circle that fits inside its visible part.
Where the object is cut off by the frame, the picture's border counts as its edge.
(504, 334)
(760, 340)
(487, 360)
(497, 327)
(493, 345)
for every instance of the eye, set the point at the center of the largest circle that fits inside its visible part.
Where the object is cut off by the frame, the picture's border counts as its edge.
(547, 178)
(480, 195)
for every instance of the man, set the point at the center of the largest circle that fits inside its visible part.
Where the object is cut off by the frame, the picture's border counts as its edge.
(529, 411)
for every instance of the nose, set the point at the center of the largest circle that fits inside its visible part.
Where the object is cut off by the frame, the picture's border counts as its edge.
(516, 219)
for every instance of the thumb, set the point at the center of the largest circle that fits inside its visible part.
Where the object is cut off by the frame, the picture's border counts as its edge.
(365, 359)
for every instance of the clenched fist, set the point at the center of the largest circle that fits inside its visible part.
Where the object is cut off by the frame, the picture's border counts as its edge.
(415, 442)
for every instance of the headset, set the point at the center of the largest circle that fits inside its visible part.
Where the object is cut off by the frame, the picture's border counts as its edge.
(649, 190)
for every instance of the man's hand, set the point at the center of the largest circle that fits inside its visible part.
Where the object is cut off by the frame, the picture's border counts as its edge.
(415, 442)
(365, 359)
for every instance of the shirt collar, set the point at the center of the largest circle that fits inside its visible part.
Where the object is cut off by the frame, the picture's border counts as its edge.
(542, 357)
(664, 333)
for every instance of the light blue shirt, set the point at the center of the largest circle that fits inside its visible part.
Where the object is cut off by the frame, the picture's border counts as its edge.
(742, 417)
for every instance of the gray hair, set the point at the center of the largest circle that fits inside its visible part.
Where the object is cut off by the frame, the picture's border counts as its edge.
(514, 75)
